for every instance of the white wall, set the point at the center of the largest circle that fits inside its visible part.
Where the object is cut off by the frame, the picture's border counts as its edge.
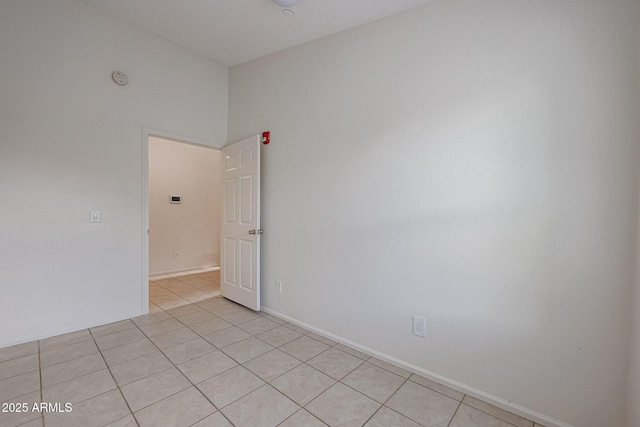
(191, 228)
(470, 162)
(634, 377)
(71, 140)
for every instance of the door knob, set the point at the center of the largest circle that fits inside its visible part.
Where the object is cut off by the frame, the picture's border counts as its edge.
(258, 231)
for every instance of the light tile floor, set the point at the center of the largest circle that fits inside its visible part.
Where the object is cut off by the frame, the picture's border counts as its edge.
(200, 360)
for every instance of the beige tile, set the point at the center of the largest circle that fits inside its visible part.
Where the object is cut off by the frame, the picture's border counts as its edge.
(303, 384)
(207, 366)
(497, 412)
(264, 407)
(189, 350)
(389, 367)
(80, 389)
(335, 363)
(147, 391)
(230, 386)
(139, 368)
(64, 340)
(190, 279)
(12, 419)
(66, 371)
(279, 336)
(297, 328)
(449, 392)
(322, 339)
(209, 327)
(343, 406)
(374, 382)
(241, 316)
(127, 421)
(167, 281)
(247, 349)
(148, 319)
(222, 309)
(216, 302)
(200, 295)
(106, 342)
(158, 292)
(19, 385)
(215, 420)
(271, 365)
(353, 352)
(205, 284)
(423, 405)
(212, 302)
(302, 419)
(20, 350)
(226, 337)
(171, 299)
(304, 348)
(257, 326)
(197, 317)
(173, 303)
(112, 328)
(158, 328)
(385, 417)
(127, 352)
(175, 337)
(470, 417)
(272, 318)
(180, 410)
(70, 352)
(18, 366)
(97, 411)
(154, 309)
(185, 310)
(34, 423)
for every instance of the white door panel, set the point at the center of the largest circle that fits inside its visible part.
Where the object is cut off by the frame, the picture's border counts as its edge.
(240, 275)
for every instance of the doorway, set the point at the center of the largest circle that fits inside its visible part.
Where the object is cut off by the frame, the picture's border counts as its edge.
(182, 220)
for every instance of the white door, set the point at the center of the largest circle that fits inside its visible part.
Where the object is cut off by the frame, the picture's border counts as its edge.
(240, 266)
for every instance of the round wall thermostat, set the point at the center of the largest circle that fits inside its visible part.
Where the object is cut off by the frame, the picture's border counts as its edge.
(120, 78)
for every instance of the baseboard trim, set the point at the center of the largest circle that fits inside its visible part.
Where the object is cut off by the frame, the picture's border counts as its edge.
(471, 391)
(181, 272)
(63, 331)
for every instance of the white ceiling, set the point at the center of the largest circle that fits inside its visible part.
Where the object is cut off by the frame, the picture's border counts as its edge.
(230, 32)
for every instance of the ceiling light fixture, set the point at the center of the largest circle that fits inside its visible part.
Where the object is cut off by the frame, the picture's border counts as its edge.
(285, 3)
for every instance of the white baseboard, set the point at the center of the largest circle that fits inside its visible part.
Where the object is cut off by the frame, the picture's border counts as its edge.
(57, 332)
(471, 391)
(182, 272)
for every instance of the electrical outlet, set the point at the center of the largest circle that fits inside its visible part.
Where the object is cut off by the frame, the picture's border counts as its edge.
(419, 326)
(278, 286)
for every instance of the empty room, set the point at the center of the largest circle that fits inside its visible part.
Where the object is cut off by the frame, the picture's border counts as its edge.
(414, 213)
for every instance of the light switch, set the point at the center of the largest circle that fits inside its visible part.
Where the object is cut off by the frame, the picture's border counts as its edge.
(94, 215)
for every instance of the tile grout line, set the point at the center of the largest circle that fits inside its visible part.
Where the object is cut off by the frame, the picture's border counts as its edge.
(238, 364)
(495, 416)
(115, 382)
(456, 411)
(187, 378)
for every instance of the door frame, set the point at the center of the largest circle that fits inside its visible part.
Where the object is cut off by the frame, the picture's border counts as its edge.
(171, 136)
